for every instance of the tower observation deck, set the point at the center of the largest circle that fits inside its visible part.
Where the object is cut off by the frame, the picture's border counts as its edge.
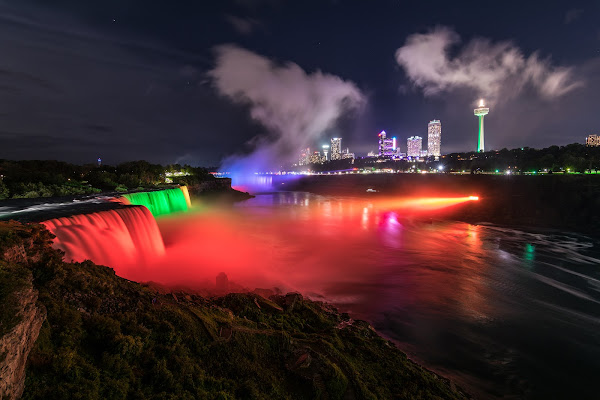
(481, 112)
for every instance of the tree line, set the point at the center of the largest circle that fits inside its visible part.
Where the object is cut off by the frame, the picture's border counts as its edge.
(48, 178)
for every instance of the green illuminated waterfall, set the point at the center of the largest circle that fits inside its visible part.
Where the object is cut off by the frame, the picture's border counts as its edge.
(161, 202)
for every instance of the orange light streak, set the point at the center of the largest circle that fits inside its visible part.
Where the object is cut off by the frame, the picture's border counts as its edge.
(425, 203)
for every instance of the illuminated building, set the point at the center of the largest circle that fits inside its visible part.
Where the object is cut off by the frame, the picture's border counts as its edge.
(434, 138)
(414, 144)
(593, 140)
(304, 157)
(325, 150)
(336, 149)
(481, 112)
(315, 158)
(99, 161)
(346, 154)
(387, 146)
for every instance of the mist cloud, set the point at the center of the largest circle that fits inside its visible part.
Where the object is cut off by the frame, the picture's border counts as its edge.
(492, 70)
(295, 107)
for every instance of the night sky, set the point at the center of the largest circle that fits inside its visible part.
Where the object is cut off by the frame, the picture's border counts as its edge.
(184, 81)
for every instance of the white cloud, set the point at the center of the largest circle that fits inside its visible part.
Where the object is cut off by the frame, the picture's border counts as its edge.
(296, 107)
(492, 70)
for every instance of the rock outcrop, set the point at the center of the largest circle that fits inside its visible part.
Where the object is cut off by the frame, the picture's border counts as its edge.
(16, 344)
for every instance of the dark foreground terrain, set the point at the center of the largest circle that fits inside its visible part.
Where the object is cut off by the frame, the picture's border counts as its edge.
(76, 330)
(557, 201)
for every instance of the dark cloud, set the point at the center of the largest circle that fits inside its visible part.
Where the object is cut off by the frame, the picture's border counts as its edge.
(98, 128)
(65, 89)
(572, 15)
(244, 26)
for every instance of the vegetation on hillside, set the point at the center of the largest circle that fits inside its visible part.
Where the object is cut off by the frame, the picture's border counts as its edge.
(35, 178)
(571, 158)
(109, 338)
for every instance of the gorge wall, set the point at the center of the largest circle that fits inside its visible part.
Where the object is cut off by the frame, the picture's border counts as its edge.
(17, 343)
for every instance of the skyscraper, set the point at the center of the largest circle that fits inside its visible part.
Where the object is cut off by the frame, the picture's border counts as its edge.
(387, 147)
(481, 112)
(346, 154)
(414, 144)
(304, 157)
(336, 149)
(593, 140)
(434, 138)
(316, 158)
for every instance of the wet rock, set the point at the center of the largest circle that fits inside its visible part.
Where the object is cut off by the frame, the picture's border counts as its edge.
(364, 328)
(303, 361)
(222, 283)
(265, 293)
(225, 332)
(290, 301)
(269, 306)
(299, 361)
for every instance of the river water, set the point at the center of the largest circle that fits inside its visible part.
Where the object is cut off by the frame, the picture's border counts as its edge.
(505, 313)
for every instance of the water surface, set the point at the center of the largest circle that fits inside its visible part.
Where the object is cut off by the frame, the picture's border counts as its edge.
(504, 312)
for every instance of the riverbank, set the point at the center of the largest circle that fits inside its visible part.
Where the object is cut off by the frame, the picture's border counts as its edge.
(108, 337)
(561, 202)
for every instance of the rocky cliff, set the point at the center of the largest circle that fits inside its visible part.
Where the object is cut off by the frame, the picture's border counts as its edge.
(21, 316)
(19, 337)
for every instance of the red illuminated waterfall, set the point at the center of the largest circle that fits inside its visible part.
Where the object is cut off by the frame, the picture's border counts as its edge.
(116, 238)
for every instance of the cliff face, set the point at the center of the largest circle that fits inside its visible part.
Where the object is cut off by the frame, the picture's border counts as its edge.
(21, 318)
(219, 190)
(16, 344)
(216, 184)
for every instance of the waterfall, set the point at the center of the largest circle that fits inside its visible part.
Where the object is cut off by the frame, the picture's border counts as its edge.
(116, 238)
(161, 202)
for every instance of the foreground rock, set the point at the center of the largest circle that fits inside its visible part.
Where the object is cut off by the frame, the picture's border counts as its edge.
(109, 338)
(18, 330)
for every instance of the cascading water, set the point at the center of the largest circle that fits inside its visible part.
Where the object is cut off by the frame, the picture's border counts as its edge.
(161, 202)
(119, 238)
(186, 194)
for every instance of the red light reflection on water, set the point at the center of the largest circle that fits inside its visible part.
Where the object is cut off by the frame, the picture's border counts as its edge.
(329, 247)
(364, 254)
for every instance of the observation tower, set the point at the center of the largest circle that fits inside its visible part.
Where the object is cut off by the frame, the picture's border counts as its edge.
(481, 112)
